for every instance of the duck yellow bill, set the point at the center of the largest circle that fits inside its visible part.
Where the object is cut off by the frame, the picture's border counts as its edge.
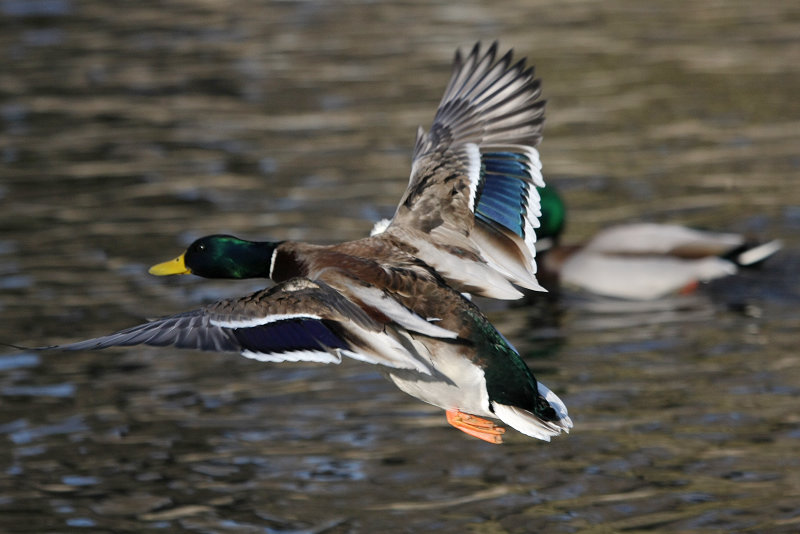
(176, 266)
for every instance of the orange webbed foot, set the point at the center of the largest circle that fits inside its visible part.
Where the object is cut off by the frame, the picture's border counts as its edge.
(476, 426)
(689, 288)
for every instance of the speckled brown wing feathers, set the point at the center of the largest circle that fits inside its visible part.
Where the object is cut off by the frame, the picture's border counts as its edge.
(472, 192)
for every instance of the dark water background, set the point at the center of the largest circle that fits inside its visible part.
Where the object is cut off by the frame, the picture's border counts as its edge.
(129, 128)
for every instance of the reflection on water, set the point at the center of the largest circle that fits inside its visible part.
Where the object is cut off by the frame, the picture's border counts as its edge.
(128, 130)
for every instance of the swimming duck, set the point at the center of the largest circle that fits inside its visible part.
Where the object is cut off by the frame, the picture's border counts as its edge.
(641, 261)
(466, 223)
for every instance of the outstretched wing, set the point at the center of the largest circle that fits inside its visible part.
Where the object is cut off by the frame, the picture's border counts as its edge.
(298, 320)
(471, 206)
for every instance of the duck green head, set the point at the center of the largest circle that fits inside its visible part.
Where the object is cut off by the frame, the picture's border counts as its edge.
(221, 256)
(554, 214)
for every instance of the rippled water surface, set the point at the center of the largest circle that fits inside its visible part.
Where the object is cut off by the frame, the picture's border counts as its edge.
(129, 128)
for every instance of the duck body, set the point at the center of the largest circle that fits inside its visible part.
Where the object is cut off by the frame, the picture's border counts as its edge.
(371, 301)
(466, 223)
(487, 378)
(641, 261)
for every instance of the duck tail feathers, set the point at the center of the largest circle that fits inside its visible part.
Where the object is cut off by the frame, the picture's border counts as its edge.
(751, 255)
(531, 424)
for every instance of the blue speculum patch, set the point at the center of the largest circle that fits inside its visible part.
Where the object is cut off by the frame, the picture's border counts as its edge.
(289, 335)
(503, 194)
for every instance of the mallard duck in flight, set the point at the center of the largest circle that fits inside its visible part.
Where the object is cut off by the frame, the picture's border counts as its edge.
(466, 223)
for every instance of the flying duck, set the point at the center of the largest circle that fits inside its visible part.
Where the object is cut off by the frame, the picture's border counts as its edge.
(466, 224)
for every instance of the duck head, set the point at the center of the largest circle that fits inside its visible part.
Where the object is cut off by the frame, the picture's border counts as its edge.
(221, 256)
(554, 214)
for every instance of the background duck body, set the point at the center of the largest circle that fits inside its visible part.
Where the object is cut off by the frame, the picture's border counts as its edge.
(641, 261)
(647, 261)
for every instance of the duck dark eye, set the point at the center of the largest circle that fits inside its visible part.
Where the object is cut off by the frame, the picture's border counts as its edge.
(201, 247)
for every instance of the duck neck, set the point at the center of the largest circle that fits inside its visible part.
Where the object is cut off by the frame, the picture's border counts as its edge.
(254, 259)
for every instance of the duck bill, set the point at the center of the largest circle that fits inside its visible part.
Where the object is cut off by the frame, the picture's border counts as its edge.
(176, 266)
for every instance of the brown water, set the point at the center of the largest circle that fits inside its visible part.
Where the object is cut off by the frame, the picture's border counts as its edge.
(129, 128)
